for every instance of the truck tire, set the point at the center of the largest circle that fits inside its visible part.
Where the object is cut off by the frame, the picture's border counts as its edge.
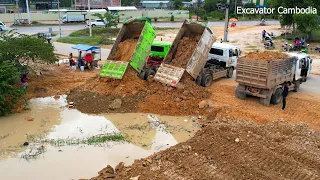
(142, 75)
(198, 80)
(230, 72)
(296, 86)
(276, 96)
(93, 25)
(0, 29)
(206, 80)
(240, 94)
(148, 73)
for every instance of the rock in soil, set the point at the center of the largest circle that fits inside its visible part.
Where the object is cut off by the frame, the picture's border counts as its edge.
(29, 118)
(205, 104)
(116, 104)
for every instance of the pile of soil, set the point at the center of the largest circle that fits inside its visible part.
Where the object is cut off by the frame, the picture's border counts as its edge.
(184, 51)
(232, 149)
(142, 96)
(265, 56)
(125, 50)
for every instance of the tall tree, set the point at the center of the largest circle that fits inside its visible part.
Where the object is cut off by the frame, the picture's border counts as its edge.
(307, 22)
(16, 50)
(109, 19)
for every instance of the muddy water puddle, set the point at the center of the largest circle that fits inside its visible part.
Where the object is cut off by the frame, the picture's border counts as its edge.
(67, 144)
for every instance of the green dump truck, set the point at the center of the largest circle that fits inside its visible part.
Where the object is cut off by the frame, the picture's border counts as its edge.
(171, 75)
(159, 50)
(134, 27)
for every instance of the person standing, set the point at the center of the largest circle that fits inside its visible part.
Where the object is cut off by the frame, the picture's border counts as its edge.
(79, 59)
(24, 81)
(284, 95)
(70, 57)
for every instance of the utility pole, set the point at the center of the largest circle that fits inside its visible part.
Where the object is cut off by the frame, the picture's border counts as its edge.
(235, 6)
(27, 4)
(226, 25)
(89, 15)
(59, 18)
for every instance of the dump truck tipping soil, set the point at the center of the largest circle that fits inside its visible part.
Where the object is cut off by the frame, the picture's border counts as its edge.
(184, 51)
(125, 50)
(189, 51)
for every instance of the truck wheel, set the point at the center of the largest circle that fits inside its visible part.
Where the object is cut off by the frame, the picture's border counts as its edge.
(142, 75)
(230, 72)
(206, 80)
(276, 97)
(240, 94)
(198, 80)
(148, 73)
(93, 25)
(296, 86)
(0, 29)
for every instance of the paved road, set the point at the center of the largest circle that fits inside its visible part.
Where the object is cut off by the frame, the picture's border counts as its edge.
(34, 29)
(65, 49)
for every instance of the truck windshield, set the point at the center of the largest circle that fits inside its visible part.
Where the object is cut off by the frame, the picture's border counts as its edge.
(216, 51)
(157, 48)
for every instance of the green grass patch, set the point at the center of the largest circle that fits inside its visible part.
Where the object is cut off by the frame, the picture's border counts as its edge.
(291, 37)
(93, 41)
(95, 31)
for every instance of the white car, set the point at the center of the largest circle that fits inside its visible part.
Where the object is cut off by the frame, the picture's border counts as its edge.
(97, 23)
(3, 27)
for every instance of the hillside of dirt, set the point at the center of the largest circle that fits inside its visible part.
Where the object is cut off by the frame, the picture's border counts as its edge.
(184, 52)
(265, 56)
(232, 149)
(125, 50)
(137, 95)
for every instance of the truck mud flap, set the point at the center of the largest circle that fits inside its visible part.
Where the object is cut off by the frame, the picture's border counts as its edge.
(114, 69)
(169, 75)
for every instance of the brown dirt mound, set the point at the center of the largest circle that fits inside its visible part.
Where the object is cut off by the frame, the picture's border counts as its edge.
(125, 50)
(184, 51)
(148, 96)
(231, 149)
(265, 56)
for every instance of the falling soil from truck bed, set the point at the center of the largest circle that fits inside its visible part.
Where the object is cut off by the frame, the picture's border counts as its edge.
(125, 50)
(265, 56)
(138, 95)
(184, 51)
(232, 149)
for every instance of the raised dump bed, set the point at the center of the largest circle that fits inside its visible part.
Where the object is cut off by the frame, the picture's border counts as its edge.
(132, 46)
(189, 51)
(263, 75)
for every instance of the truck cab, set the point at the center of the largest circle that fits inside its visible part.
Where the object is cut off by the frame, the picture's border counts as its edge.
(158, 52)
(3, 27)
(303, 65)
(226, 54)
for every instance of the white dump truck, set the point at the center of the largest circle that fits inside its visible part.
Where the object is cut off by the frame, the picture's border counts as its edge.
(3, 27)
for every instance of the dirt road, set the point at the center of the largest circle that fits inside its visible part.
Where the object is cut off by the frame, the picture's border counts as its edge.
(231, 149)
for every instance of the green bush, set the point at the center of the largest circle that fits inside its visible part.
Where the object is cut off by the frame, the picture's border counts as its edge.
(172, 18)
(11, 92)
(205, 18)
(217, 15)
(35, 22)
(155, 19)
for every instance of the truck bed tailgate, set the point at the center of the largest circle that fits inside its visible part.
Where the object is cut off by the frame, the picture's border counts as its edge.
(169, 75)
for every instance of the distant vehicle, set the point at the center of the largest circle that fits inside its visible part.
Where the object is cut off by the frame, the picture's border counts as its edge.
(3, 27)
(73, 18)
(97, 23)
